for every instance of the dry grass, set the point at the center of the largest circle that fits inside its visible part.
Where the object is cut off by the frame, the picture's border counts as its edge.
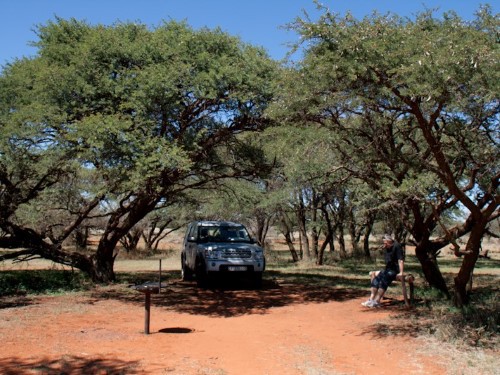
(460, 361)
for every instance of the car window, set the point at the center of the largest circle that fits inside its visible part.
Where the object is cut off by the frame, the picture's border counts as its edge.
(192, 230)
(234, 234)
(223, 234)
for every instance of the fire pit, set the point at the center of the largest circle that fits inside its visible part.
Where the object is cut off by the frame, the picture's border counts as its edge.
(148, 288)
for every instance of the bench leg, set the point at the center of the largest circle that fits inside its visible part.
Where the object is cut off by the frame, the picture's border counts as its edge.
(405, 295)
(411, 279)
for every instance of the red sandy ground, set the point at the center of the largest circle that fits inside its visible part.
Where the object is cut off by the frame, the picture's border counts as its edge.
(281, 329)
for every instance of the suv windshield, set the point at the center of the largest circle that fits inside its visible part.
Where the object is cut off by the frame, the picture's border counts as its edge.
(223, 234)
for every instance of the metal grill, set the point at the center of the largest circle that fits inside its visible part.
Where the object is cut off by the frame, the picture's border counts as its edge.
(236, 254)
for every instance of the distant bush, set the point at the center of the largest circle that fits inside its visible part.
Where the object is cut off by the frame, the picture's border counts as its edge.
(41, 282)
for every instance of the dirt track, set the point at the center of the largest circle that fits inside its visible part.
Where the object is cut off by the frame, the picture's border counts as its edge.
(281, 329)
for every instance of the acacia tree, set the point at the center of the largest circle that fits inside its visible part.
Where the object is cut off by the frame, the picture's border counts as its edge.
(305, 187)
(424, 93)
(240, 200)
(148, 114)
(160, 223)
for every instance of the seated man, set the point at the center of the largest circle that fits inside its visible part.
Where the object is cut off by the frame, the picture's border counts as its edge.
(203, 234)
(394, 266)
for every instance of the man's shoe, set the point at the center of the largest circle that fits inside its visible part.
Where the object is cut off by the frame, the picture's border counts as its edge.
(375, 304)
(367, 303)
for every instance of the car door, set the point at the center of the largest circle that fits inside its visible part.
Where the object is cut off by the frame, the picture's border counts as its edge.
(190, 244)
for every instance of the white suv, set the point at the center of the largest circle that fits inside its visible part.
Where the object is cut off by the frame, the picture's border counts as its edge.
(214, 247)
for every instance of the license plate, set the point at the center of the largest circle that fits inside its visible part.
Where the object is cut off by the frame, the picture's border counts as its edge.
(237, 268)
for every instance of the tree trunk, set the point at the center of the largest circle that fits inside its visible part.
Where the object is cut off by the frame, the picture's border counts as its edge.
(330, 232)
(263, 222)
(301, 246)
(315, 226)
(368, 231)
(342, 250)
(304, 240)
(330, 229)
(155, 232)
(102, 270)
(315, 241)
(131, 239)
(321, 253)
(354, 233)
(287, 233)
(119, 224)
(291, 247)
(81, 238)
(430, 268)
(425, 250)
(332, 241)
(463, 278)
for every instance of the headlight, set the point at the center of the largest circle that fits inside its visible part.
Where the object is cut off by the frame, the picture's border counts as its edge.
(211, 252)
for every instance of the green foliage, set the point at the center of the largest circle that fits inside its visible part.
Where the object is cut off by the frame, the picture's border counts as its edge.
(128, 102)
(125, 118)
(141, 99)
(385, 103)
(446, 69)
(383, 116)
(42, 282)
(306, 155)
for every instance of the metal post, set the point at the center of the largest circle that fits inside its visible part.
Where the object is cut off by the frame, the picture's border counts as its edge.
(159, 280)
(147, 310)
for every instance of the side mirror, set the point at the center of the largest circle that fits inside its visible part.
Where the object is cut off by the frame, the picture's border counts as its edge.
(191, 239)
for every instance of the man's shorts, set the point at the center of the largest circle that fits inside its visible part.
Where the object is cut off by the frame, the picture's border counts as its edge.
(384, 279)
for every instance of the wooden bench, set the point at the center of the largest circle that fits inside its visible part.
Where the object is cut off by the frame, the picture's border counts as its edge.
(410, 279)
(403, 280)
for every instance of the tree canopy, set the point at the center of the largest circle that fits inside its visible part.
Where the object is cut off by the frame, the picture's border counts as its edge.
(128, 115)
(414, 105)
(384, 118)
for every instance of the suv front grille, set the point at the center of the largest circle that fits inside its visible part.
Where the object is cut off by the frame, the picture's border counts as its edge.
(236, 254)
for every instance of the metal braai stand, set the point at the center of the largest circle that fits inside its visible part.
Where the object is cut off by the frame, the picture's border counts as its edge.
(148, 288)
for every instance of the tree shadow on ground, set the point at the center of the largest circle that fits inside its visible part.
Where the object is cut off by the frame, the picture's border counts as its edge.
(73, 365)
(7, 302)
(236, 297)
(397, 328)
(404, 321)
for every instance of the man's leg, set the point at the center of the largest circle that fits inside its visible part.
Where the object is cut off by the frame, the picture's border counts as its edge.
(374, 281)
(386, 278)
(375, 297)
(380, 293)
(374, 292)
(373, 275)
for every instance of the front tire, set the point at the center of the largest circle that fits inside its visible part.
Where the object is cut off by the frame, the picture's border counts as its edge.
(186, 272)
(201, 274)
(257, 280)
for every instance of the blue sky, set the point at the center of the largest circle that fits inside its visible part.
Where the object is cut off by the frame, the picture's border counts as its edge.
(258, 22)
